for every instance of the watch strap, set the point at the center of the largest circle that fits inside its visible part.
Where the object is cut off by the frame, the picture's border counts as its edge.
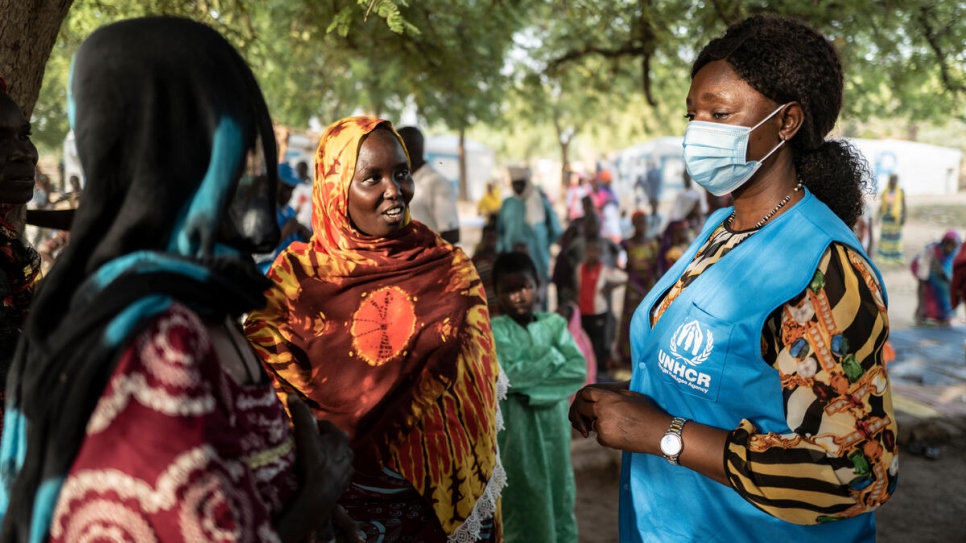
(677, 426)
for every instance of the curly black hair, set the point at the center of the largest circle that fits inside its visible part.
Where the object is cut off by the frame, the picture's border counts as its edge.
(787, 61)
(513, 262)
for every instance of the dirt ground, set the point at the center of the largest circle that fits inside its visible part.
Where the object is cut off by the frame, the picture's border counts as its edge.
(927, 507)
(930, 502)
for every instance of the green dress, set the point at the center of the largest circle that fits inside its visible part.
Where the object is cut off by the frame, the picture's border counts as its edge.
(545, 368)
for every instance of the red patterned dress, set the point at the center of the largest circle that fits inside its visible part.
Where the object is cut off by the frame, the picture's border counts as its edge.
(177, 450)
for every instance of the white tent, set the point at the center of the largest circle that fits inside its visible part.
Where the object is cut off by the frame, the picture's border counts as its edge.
(442, 152)
(922, 168)
(631, 163)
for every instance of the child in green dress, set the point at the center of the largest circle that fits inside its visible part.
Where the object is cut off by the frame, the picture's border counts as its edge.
(545, 368)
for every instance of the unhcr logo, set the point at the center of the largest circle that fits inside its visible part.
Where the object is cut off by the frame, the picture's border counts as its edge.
(691, 345)
(687, 342)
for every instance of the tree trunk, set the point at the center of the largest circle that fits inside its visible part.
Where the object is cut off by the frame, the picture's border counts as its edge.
(564, 140)
(912, 131)
(28, 31)
(565, 164)
(461, 153)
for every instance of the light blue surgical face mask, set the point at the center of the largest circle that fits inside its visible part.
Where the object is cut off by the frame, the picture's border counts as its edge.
(714, 154)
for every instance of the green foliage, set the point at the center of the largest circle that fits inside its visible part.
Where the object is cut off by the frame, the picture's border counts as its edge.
(387, 9)
(445, 58)
(231, 18)
(544, 73)
(904, 59)
(301, 74)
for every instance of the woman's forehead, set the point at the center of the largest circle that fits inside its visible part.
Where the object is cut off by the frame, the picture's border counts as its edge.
(381, 145)
(718, 81)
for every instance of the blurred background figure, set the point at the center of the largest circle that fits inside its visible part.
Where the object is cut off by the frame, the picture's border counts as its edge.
(576, 191)
(933, 267)
(57, 241)
(292, 230)
(595, 282)
(652, 188)
(690, 204)
(958, 287)
(674, 241)
(892, 216)
(301, 200)
(434, 202)
(489, 205)
(863, 227)
(528, 219)
(483, 258)
(41, 199)
(606, 205)
(642, 273)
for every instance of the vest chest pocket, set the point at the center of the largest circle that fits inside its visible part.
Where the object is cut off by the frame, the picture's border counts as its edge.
(691, 355)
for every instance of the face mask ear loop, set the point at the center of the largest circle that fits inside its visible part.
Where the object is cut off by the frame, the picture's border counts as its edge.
(782, 142)
(777, 147)
(770, 115)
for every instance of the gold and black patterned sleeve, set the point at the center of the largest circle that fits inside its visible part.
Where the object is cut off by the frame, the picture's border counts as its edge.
(840, 459)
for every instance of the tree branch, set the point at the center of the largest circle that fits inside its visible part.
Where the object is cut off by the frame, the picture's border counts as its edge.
(628, 50)
(925, 16)
(649, 37)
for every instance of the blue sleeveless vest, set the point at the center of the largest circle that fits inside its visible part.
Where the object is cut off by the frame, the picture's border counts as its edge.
(702, 361)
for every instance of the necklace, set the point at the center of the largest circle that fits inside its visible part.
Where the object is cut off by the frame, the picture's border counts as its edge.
(759, 224)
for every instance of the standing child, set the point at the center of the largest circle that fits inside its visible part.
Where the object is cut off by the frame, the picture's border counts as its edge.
(545, 367)
(642, 253)
(595, 281)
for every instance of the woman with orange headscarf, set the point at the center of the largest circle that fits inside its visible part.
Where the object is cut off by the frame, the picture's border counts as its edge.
(381, 327)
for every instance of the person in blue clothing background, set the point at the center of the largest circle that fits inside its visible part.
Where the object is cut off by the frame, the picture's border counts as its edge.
(292, 229)
(759, 408)
(527, 218)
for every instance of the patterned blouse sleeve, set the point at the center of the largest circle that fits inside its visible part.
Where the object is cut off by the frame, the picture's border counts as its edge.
(840, 458)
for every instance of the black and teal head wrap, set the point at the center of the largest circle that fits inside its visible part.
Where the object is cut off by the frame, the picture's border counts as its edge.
(179, 153)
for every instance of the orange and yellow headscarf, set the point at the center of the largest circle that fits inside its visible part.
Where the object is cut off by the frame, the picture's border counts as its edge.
(388, 338)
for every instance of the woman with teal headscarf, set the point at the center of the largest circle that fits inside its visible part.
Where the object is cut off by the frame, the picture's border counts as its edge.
(134, 407)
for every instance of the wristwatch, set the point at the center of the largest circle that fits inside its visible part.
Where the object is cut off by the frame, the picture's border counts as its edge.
(671, 443)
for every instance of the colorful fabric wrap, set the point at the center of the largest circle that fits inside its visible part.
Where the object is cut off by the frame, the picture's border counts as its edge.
(389, 338)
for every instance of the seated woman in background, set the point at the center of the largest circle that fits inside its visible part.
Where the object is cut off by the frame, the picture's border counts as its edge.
(933, 267)
(381, 326)
(958, 286)
(136, 410)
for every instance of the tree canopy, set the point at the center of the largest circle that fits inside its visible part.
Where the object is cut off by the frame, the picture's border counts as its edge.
(610, 70)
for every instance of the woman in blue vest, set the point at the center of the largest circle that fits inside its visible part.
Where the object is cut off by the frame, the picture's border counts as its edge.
(759, 408)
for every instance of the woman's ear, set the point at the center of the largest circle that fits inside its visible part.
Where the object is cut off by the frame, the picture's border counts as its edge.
(791, 118)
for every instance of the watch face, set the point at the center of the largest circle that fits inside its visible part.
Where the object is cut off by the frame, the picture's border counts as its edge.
(671, 445)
